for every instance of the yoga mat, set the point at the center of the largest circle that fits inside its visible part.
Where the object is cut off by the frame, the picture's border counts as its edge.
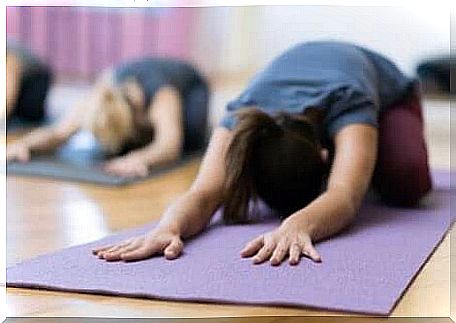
(81, 160)
(16, 125)
(365, 269)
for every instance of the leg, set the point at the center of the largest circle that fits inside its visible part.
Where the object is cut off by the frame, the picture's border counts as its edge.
(196, 102)
(402, 174)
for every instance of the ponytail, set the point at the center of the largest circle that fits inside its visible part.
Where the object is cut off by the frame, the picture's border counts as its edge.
(276, 159)
(252, 125)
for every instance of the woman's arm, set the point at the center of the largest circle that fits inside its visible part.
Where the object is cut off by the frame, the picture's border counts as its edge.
(193, 212)
(45, 138)
(184, 218)
(354, 162)
(355, 156)
(165, 117)
(13, 81)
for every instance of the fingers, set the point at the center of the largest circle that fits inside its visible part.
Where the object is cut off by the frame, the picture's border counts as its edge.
(295, 254)
(265, 252)
(116, 168)
(174, 249)
(127, 168)
(142, 247)
(100, 249)
(310, 251)
(115, 254)
(18, 153)
(279, 253)
(112, 252)
(276, 248)
(252, 247)
(23, 155)
(95, 251)
(142, 252)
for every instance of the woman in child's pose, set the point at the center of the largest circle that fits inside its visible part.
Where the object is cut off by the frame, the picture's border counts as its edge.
(27, 83)
(145, 112)
(316, 98)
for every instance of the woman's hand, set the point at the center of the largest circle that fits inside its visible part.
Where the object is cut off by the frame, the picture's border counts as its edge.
(17, 151)
(128, 166)
(289, 240)
(154, 243)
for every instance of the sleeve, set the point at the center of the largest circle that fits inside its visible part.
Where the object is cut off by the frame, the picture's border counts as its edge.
(228, 121)
(350, 107)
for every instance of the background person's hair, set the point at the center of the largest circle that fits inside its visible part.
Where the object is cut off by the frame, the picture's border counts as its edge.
(110, 119)
(276, 159)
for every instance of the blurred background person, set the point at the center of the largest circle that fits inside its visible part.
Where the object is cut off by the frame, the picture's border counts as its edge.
(28, 80)
(143, 113)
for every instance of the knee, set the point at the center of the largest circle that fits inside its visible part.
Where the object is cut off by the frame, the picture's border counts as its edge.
(405, 183)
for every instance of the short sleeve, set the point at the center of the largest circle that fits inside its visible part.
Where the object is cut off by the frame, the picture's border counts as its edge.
(228, 121)
(352, 108)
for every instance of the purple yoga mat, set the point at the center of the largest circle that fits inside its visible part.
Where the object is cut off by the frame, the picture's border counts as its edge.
(365, 269)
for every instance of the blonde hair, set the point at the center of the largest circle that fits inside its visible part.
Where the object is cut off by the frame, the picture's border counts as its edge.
(110, 118)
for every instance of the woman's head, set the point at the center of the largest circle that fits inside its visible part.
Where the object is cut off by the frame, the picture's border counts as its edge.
(110, 119)
(276, 158)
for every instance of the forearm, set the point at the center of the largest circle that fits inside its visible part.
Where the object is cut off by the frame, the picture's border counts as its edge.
(13, 81)
(327, 215)
(44, 139)
(349, 179)
(51, 137)
(156, 154)
(193, 211)
(11, 98)
(190, 214)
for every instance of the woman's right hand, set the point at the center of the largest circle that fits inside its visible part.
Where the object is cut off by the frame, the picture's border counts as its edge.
(17, 151)
(156, 242)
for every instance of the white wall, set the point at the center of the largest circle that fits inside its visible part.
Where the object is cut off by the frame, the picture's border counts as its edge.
(404, 34)
(250, 36)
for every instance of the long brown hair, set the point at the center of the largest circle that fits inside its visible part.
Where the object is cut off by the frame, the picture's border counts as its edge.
(275, 158)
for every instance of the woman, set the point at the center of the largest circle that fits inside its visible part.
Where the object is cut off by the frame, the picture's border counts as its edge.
(314, 98)
(143, 113)
(27, 82)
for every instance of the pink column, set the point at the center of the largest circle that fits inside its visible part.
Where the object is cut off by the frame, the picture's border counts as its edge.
(150, 35)
(132, 34)
(83, 41)
(174, 30)
(13, 17)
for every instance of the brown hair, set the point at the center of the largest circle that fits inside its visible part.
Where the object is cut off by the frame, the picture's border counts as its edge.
(274, 158)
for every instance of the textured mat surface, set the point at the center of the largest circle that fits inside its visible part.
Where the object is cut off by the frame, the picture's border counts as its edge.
(81, 161)
(365, 269)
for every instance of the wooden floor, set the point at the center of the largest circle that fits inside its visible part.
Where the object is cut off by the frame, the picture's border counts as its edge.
(44, 216)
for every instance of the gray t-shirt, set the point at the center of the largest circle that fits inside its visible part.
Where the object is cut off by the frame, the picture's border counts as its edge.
(352, 84)
(154, 73)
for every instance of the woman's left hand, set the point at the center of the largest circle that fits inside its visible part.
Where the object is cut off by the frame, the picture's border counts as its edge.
(287, 240)
(127, 166)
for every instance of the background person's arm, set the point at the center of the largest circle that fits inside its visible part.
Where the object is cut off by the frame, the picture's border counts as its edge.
(13, 82)
(51, 137)
(46, 138)
(165, 116)
(184, 218)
